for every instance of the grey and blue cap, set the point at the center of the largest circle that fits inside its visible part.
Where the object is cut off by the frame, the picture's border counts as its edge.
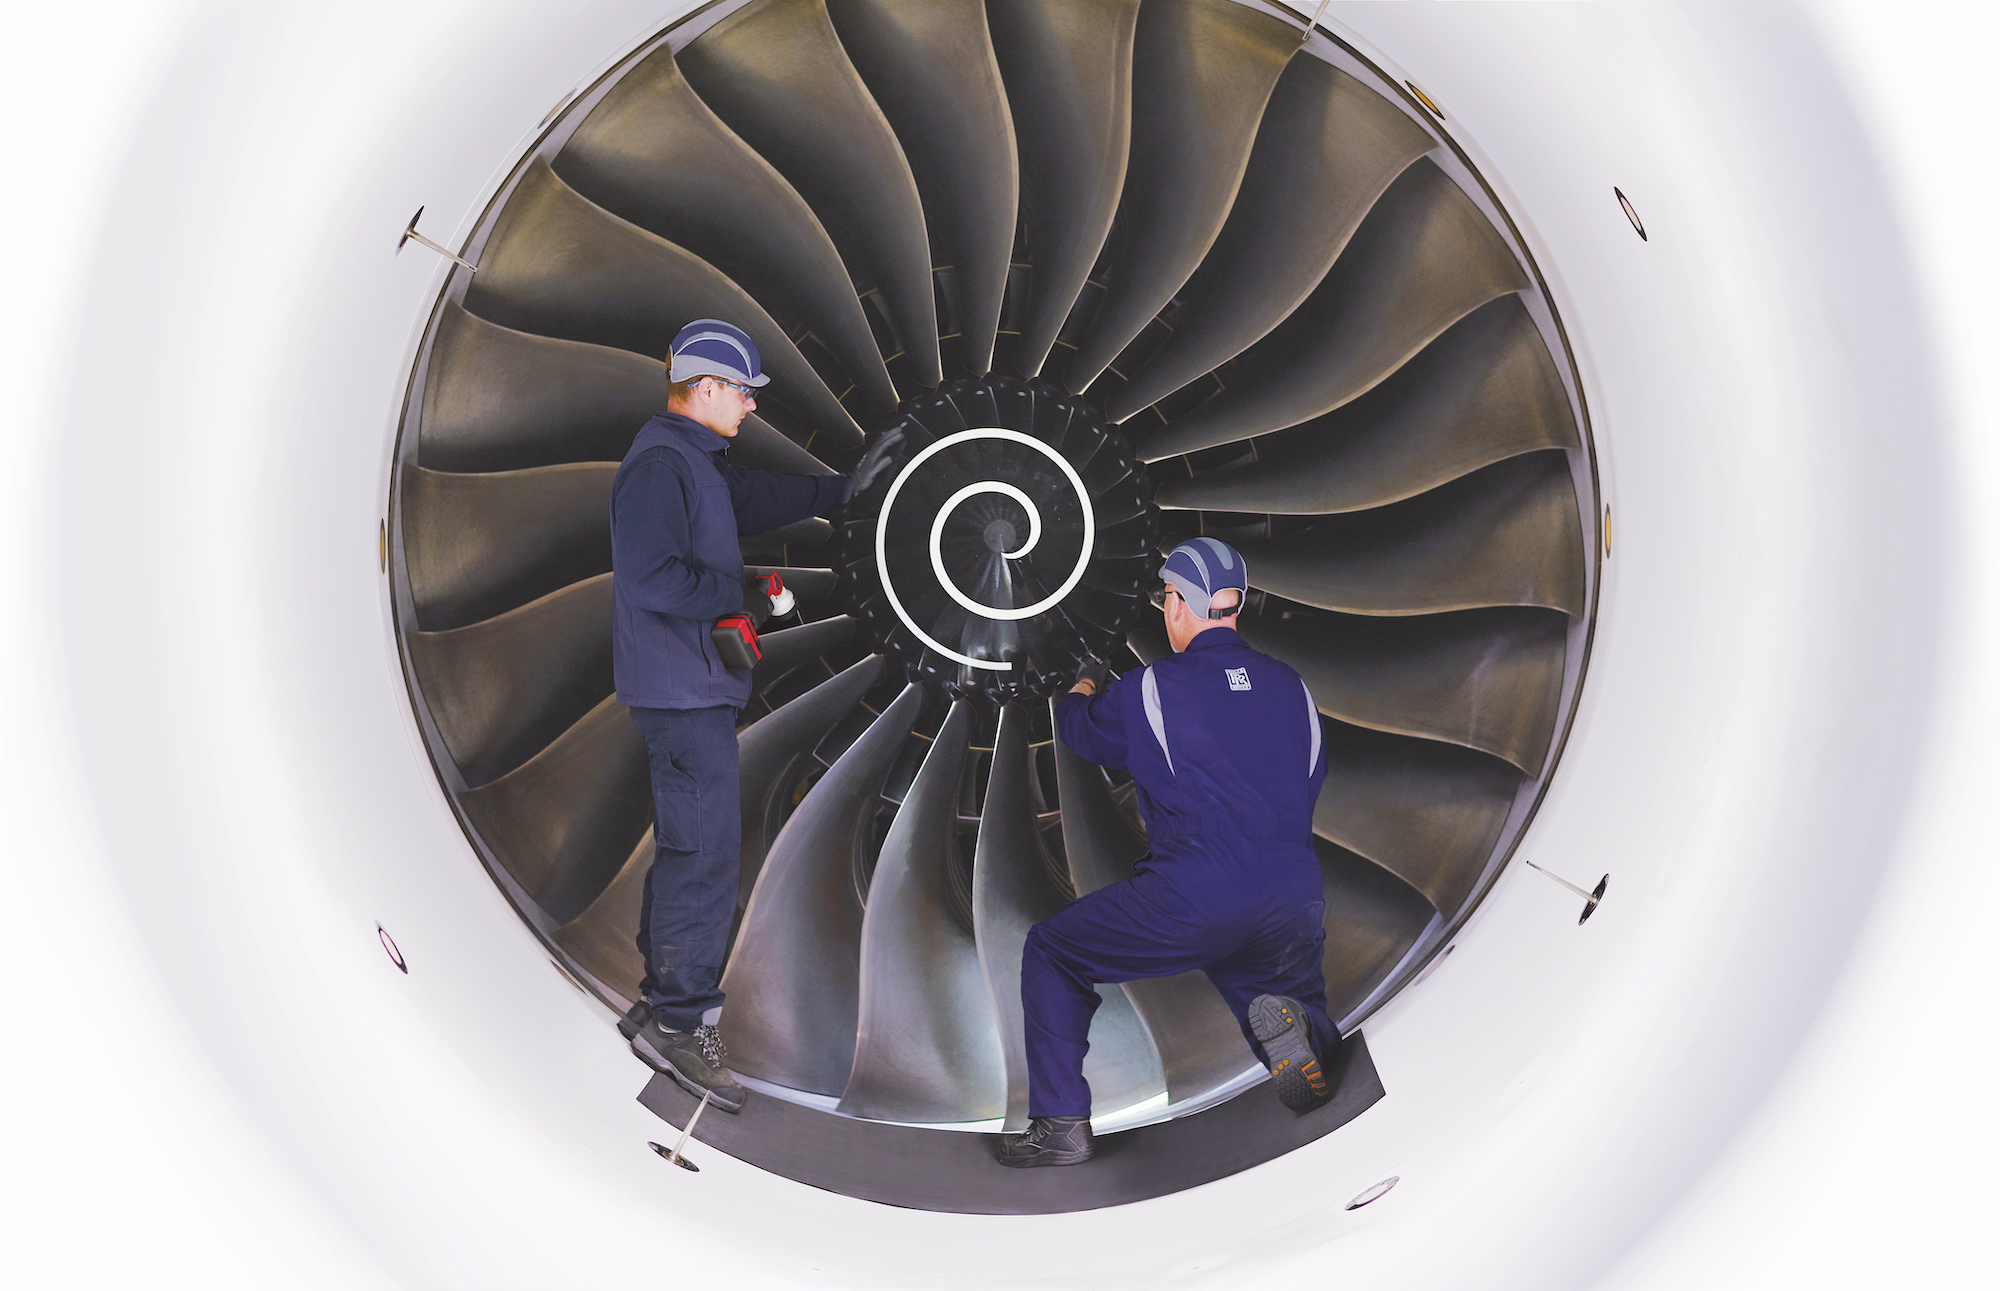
(709, 347)
(1201, 567)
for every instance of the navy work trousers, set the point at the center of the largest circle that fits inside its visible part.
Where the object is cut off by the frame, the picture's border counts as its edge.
(690, 897)
(1250, 922)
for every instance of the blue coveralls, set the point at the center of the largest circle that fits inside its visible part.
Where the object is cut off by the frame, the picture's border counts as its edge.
(677, 506)
(1225, 746)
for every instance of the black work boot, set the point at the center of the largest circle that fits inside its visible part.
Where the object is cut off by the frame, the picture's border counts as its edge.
(1280, 1026)
(1049, 1140)
(684, 1056)
(636, 1017)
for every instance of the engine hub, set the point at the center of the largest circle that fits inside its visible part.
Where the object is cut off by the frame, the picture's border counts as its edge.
(999, 534)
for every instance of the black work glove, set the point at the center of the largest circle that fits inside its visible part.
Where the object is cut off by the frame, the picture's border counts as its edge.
(1093, 671)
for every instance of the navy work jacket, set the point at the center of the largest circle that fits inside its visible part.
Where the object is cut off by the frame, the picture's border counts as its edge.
(1224, 742)
(677, 506)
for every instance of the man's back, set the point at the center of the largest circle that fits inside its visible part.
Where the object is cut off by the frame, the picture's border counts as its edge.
(1216, 733)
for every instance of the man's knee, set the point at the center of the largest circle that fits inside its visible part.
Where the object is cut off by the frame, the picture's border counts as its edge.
(1038, 949)
(1047, 953)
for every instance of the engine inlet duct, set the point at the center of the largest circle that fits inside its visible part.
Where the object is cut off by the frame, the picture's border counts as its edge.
(1061, 282)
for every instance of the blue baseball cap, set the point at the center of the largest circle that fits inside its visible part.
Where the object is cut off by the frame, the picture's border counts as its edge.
(1201, 567)
(709, 347)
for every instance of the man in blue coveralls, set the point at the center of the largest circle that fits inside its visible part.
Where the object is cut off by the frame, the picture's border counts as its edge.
(1224, 745)
(677, 506)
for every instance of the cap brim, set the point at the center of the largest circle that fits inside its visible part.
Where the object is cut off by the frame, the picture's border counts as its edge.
(690, 369)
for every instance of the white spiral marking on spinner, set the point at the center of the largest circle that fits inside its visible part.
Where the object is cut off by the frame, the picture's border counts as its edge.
(937, 532)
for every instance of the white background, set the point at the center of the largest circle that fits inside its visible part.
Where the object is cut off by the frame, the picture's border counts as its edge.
(127, 1157)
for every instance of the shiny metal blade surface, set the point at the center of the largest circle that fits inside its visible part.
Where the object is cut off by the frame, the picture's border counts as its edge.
(929, 65)
(603, 940)
(1508, 535)
(1122, 1067)
(784, 544)
(479, 545)
(1327, 148)
(1011, 892)
(1488, 679)
(1423, 258)
(496, 399)
(1372, 920)
(787, 648)
(1196, 1037)
(563, 822)
(560, 265)
(1426, 811)
(1068, 69)
(1484, 391)
(776, 73)
(1202, 71)
(503, 689)
(1148, 640)
(768, 752)
(928, 1047)
(793, 981)
(762, 448)
(652, 152)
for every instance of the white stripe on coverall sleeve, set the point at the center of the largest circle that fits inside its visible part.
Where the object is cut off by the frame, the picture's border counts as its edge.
(1150, 688)
(1312, 721)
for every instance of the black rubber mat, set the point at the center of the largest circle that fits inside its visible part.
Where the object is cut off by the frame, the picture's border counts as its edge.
(951, 1170)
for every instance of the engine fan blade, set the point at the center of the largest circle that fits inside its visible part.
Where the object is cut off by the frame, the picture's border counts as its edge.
(1068, 69)
(479, 545)
(496, 399)
(783, 544)
(1202, 71)
(777, 74)
(652, 152)
(603, 940)
(1327, 148)
(1149, 641)
(1488, 679)
(1372, 920)
(1506, 535)
(1426, 811)
(1197, 1038)
(928, 1048)
(789, 648)
(794, 977)
(560, 265)
(769, 749)
(563, 821)
(1483, 392)
(1423, 258)
(929, 65)
(503, 689)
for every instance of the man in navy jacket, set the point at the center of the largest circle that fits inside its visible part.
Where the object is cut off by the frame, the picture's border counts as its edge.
(1224, 745)
(677, 506)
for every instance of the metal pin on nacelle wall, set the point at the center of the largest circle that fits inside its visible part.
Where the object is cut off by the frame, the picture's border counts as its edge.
(1313, 25)
(675, 1155)
(410, 234)
(1590, 899)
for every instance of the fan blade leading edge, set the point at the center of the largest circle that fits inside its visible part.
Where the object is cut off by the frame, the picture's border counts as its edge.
(928, 1047)
(794, 981)
(776, 73)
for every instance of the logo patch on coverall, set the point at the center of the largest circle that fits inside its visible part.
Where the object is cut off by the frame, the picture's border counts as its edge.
(1239, 678)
